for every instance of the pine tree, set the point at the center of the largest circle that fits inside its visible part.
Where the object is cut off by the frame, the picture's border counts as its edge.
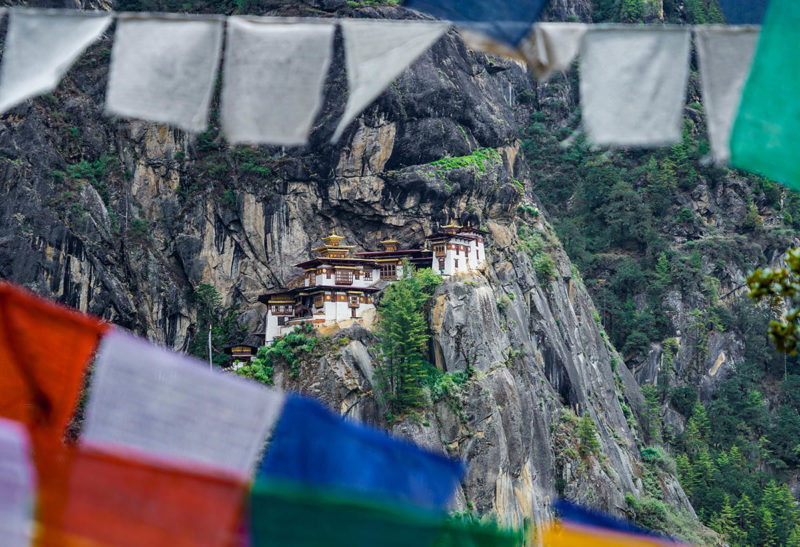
(768, 536)
(747, 518)
(587, 435)
(794, 537)
(403, 331)
(725, 523)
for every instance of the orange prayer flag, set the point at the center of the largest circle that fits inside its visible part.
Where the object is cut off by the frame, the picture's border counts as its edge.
(44, 351)
(96, 498)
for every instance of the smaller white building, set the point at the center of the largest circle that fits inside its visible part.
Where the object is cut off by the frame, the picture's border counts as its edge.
(457, 249)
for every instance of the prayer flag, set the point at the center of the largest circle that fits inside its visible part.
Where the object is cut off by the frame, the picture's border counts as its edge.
(313, 446)
(551, 47)
(726, 54)
(168, 406)
(633, 85)
(376, 53)
(44, 351)
(99, 498)
(287, 514)
(273, 79)
(17, 485)
(743, 12)
(766, 133)
(506, 21)
(163, 69)
(579, 526)
(41, 45)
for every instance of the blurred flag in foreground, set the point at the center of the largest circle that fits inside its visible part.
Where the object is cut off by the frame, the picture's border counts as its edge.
(315, 447)
(578, 526)
(766, 135)
(506, 21)
(289, 514)
(743, 12)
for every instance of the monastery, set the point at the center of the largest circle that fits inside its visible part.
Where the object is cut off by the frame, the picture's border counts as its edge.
(337, 285)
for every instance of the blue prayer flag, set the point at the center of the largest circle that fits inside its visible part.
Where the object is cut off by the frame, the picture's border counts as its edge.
(313, 446)
(575, 514)
(506, 21)
(743, 12)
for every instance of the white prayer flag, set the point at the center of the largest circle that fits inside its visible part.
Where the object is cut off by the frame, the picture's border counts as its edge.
(633, 85)
(172, 407)
(273, 79)
(726, 54)
(163, 69)
(376, 52)
(41, 45)
(17, 485)
(551, 47)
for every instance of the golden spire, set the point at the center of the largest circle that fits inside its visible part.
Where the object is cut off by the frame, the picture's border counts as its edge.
(333, 240)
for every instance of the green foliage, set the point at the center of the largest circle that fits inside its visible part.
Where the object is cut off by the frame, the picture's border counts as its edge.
(478, 160)
(402, 328)
(587, 436)
(631, 11)
(652, 413)
(225, 328)
(781, 285)
(289, 350)
(753, 221)
(229, 199)
(703, 12)
(95, 172)
(532, 243)
(140, 228)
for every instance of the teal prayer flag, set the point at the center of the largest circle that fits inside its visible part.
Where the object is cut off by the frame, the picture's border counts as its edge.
(766, 133)
(284, 513)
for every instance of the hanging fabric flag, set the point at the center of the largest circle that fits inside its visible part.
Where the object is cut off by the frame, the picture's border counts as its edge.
(633, 85)
(122, 500)
(280, 514)
(551, 47)
(169, 406)
(726, 54)
(163, 69)
(376, 53)
(506, 21)
(44, 351)
(17, 485)
(743, 12)
(578, 526)
(766, 133)
(313, 446)
(40, 47)
(273, 79)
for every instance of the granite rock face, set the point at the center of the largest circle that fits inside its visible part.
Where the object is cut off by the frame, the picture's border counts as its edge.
(124, 219)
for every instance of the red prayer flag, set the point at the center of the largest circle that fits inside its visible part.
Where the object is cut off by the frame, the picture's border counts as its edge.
(44, 351)
(97, 498)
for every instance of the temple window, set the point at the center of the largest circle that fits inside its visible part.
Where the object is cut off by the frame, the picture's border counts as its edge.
(367, 275)
(456, 263)
(389, 271)
(344, 277)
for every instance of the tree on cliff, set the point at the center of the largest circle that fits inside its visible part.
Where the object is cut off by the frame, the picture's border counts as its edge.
(403, 331)
(225, 327)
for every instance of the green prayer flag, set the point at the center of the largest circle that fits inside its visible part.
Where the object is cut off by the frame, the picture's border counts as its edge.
(284, 513)
(766, 133)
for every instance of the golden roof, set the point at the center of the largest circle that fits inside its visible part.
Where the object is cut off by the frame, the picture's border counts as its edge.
(390, 241)
(333, 240)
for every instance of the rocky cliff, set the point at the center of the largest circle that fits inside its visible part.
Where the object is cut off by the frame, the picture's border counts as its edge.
(125, 219)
